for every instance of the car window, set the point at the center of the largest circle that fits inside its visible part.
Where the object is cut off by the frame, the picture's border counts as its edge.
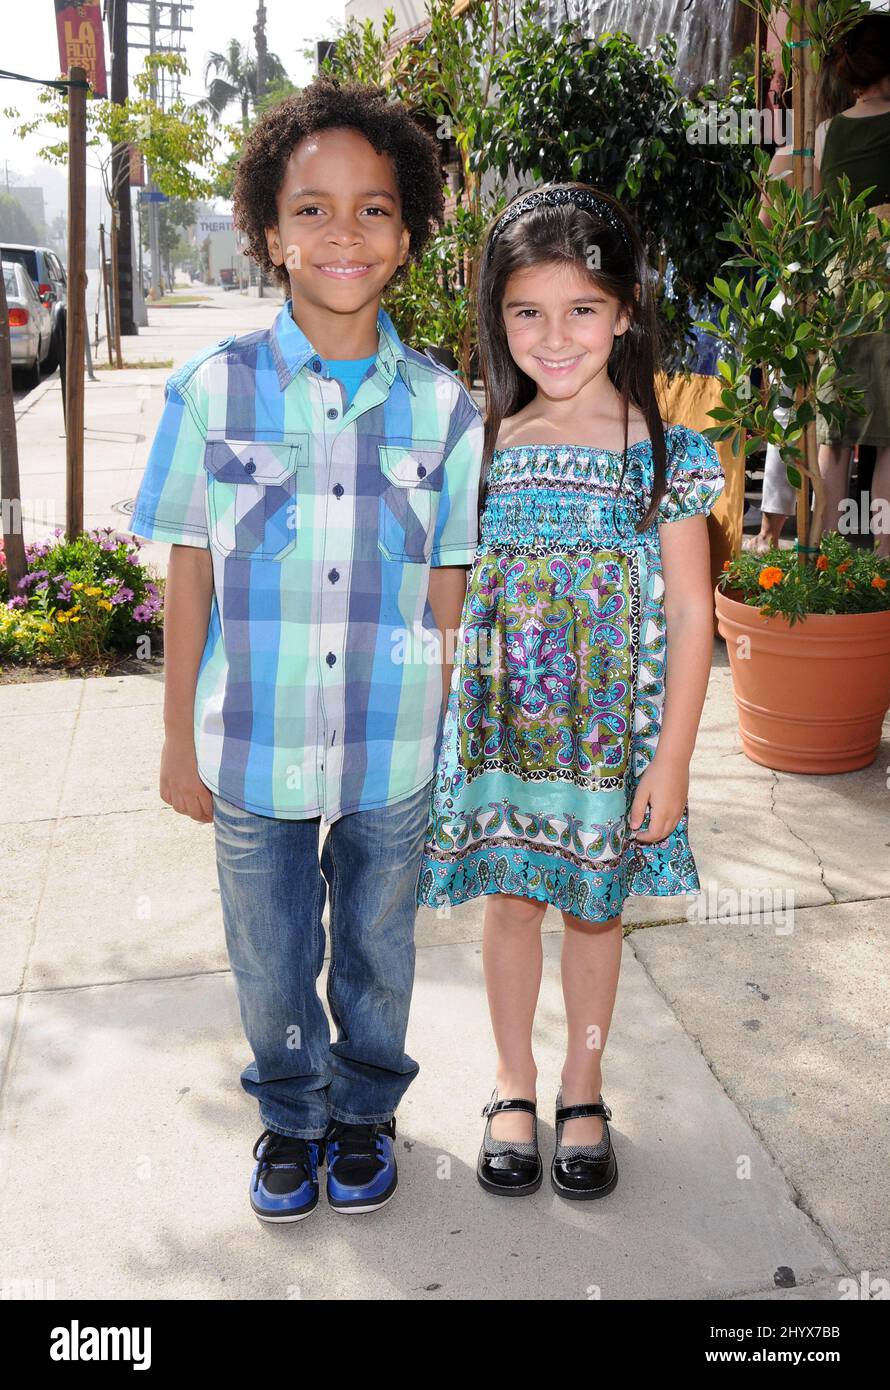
(9, 280)
(24, 256)
(55, 269)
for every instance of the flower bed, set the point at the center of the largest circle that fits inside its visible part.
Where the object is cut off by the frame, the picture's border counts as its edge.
(85, 602)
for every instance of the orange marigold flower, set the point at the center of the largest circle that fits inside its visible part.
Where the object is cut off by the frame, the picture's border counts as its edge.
(822, 562)
(769, 576)
(726, 564)
(842, 567)
(850, 584)
(878, 582)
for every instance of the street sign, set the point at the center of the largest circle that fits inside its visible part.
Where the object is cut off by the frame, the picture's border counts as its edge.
(151, 195)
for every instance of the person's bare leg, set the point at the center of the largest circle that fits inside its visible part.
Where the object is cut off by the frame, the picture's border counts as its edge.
(767, 538)
(512, 958)
(591, 960)
(834, 466)
(880, 492)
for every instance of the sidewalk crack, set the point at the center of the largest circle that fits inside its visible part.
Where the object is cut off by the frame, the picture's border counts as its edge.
(790, 828)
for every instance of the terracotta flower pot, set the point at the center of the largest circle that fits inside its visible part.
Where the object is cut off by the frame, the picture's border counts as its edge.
(812, 697)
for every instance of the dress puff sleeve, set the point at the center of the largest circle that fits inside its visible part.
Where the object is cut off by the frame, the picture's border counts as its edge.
(694, 476)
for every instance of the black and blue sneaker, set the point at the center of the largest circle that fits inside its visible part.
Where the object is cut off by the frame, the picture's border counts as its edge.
(284, 1185)
(362, 1172)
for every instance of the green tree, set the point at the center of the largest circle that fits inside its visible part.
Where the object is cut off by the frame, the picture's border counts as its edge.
(224, 181)
(173, 218)
(235, 80)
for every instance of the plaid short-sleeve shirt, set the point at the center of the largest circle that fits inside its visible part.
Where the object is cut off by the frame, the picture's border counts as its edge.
(320, 688)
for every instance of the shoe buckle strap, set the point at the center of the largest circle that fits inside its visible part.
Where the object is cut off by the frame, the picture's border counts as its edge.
(493, 1106)
(582, 1112)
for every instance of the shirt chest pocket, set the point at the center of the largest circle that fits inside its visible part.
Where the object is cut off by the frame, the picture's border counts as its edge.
(411, 484)
(253, 500)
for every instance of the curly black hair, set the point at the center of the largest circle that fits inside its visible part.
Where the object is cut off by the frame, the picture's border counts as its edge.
(386, 123)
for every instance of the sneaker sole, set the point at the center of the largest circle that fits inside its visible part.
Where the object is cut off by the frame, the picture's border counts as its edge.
(286, 1218)
(358, 1208)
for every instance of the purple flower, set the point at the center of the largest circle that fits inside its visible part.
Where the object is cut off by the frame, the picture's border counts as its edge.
(18, 602)
(142, 614)
(122, 596)
(64, 590)
(151, 589)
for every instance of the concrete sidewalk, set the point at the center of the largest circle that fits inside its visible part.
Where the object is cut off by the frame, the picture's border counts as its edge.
(746, 1066)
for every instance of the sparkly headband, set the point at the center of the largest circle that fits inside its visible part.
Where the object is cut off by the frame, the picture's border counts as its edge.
(560, 197)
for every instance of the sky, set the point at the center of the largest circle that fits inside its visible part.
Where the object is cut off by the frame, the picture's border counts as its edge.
(33, 49)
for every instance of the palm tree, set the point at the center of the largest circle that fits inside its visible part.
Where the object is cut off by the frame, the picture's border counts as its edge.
(235, 79)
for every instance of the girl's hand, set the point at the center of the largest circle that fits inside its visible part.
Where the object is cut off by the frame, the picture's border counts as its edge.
(664, 789)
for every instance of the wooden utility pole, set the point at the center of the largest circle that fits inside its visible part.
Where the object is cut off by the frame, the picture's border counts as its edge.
(10, 486)
(77, 284)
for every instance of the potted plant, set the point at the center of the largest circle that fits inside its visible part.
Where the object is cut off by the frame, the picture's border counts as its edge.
(811, 666)
(809, 649)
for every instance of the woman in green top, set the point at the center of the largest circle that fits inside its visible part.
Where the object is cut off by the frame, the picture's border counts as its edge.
(856, 142)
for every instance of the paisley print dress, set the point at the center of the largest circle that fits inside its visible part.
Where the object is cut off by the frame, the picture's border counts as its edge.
(558, 685)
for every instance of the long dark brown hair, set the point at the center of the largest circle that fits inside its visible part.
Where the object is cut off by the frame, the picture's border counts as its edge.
(563, 235)
(861, 58)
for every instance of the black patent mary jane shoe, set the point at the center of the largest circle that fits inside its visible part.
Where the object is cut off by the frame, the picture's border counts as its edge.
(507, 1167)
(584, 1172)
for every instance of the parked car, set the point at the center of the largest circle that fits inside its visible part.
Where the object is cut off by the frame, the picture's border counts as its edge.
(30, 322)
(48, 274)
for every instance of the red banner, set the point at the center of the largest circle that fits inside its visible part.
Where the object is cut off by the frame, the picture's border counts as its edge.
(81, 42)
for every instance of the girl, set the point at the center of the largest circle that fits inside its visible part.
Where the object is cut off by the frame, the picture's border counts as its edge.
(563, 772)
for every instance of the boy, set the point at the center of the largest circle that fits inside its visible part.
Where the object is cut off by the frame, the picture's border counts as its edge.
(318, 482)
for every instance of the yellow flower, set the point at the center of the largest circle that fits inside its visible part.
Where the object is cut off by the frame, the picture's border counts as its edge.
(92, 591)
(47, 627)
(103, 603)
(62, 618)
(77, 586)
(75, 620)
(769, 576)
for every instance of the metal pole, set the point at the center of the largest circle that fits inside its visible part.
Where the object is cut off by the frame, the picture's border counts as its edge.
(76, 318)
(153, 237)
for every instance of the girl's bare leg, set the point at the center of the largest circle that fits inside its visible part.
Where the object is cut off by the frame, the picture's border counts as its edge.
(591, 960)
(512, 959)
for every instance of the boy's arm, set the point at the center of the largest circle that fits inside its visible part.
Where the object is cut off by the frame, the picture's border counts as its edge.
(187, 601)
(448, 587)
(457, 531)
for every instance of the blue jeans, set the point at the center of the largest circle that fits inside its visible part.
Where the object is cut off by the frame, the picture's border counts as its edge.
(273, 895)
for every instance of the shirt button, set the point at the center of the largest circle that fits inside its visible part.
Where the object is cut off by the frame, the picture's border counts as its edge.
(421, 471)
(330, 658)
(250, 466)
(316, 365)
(337, 490)
(333, 413)
(333, 576)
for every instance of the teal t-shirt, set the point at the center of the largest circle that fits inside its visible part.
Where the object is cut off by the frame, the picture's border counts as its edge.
(349, 371)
